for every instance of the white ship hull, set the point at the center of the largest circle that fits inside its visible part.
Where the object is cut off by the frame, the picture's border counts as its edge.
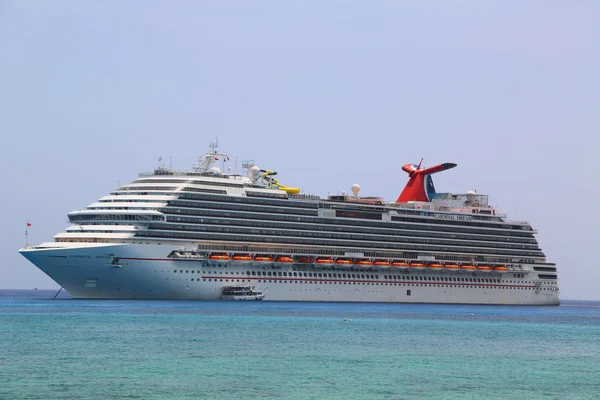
(244, 298)
(145, 272)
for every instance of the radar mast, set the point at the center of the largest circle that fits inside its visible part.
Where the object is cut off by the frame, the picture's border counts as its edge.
(213, 155)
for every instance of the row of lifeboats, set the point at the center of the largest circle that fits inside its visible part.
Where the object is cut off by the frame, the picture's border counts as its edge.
(247, 258)
(360, 262)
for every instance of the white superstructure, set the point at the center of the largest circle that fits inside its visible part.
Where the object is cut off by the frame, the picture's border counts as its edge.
(187, 235)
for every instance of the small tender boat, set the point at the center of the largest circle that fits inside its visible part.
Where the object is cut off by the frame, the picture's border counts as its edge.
(381, 263)
(343, 261)
(417, 265)
(467, 268)
(304, 259)
(500, 268)
(241, 259)
(434, 266)
(324, 261)
(263, 259)
(218, 258)
(399, 264)
(452, 267)
(280, 261)
(245, 292)
(484, 268)
(363, 262)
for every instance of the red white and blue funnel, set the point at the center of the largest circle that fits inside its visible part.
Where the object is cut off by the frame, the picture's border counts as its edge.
(420, 185)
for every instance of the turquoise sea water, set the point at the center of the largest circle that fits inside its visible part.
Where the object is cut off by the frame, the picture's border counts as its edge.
(94, 349)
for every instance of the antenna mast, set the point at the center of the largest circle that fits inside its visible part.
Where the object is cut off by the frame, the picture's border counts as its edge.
(210, 158)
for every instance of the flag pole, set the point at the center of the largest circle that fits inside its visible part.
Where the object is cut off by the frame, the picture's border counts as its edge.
(26, 233)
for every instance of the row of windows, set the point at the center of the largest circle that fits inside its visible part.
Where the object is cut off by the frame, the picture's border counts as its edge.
(121, 200)
(276, 272)
(545, 269)
(341, 239)
(464, 223)
(360, 276)
(249, 238)
(127, 188)
(217, 183)
(360, 208)
(178, 181)
(365, 276)
(202, 208)
(413, 284)
(195, 182)
(119, 217)
(421, 213)
(247, 200)
(275, 194)
(110, 207)
(358, 214)
(349, 229)
(427, 224)
(203, 190)
(228, 206)
(346, 225)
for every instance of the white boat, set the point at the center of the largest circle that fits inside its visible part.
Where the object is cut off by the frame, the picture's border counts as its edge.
(244, 292)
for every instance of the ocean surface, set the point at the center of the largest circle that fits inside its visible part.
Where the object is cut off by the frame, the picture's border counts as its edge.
(112, 349)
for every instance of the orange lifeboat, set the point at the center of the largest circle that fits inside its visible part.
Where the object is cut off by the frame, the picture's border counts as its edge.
(500, 268)
(452, 267)
(324, 261)
(437, 266)
(284, 260)
(304, 259)
(467, 268)
(343, 261)
(363, 262)
(381, 263)
(263, 259)
(399, 264)
(241, 258)
(217, 258)
(484, 268)
(417, 265)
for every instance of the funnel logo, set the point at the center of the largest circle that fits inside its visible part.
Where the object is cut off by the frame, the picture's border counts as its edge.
(420, 184)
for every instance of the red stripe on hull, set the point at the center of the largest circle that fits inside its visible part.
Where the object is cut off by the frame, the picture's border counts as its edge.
(365, 281)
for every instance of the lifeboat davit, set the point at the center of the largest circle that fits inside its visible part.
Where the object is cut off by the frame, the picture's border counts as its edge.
(241, 259)
(416, 265)
(218, 258)
(283, 260)
(263, 259)
(451, 267)
(381, 263)
(326, 261)
(343, 261)
(363, 262)
(399, 264)
(500, 268)
(434, 266)
(304, 259)
(467, 268)
(484, 268)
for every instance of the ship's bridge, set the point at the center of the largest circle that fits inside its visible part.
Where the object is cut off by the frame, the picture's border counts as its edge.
(471, 198)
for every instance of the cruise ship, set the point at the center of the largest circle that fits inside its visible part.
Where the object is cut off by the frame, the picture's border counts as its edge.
(193, 234)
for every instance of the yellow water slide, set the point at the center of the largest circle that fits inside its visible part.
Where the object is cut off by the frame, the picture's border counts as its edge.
(267, 175)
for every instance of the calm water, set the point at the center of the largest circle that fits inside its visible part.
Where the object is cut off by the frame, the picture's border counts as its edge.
(80, 349)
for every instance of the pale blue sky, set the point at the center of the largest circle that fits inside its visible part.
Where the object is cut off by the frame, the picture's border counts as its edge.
(328, 93)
